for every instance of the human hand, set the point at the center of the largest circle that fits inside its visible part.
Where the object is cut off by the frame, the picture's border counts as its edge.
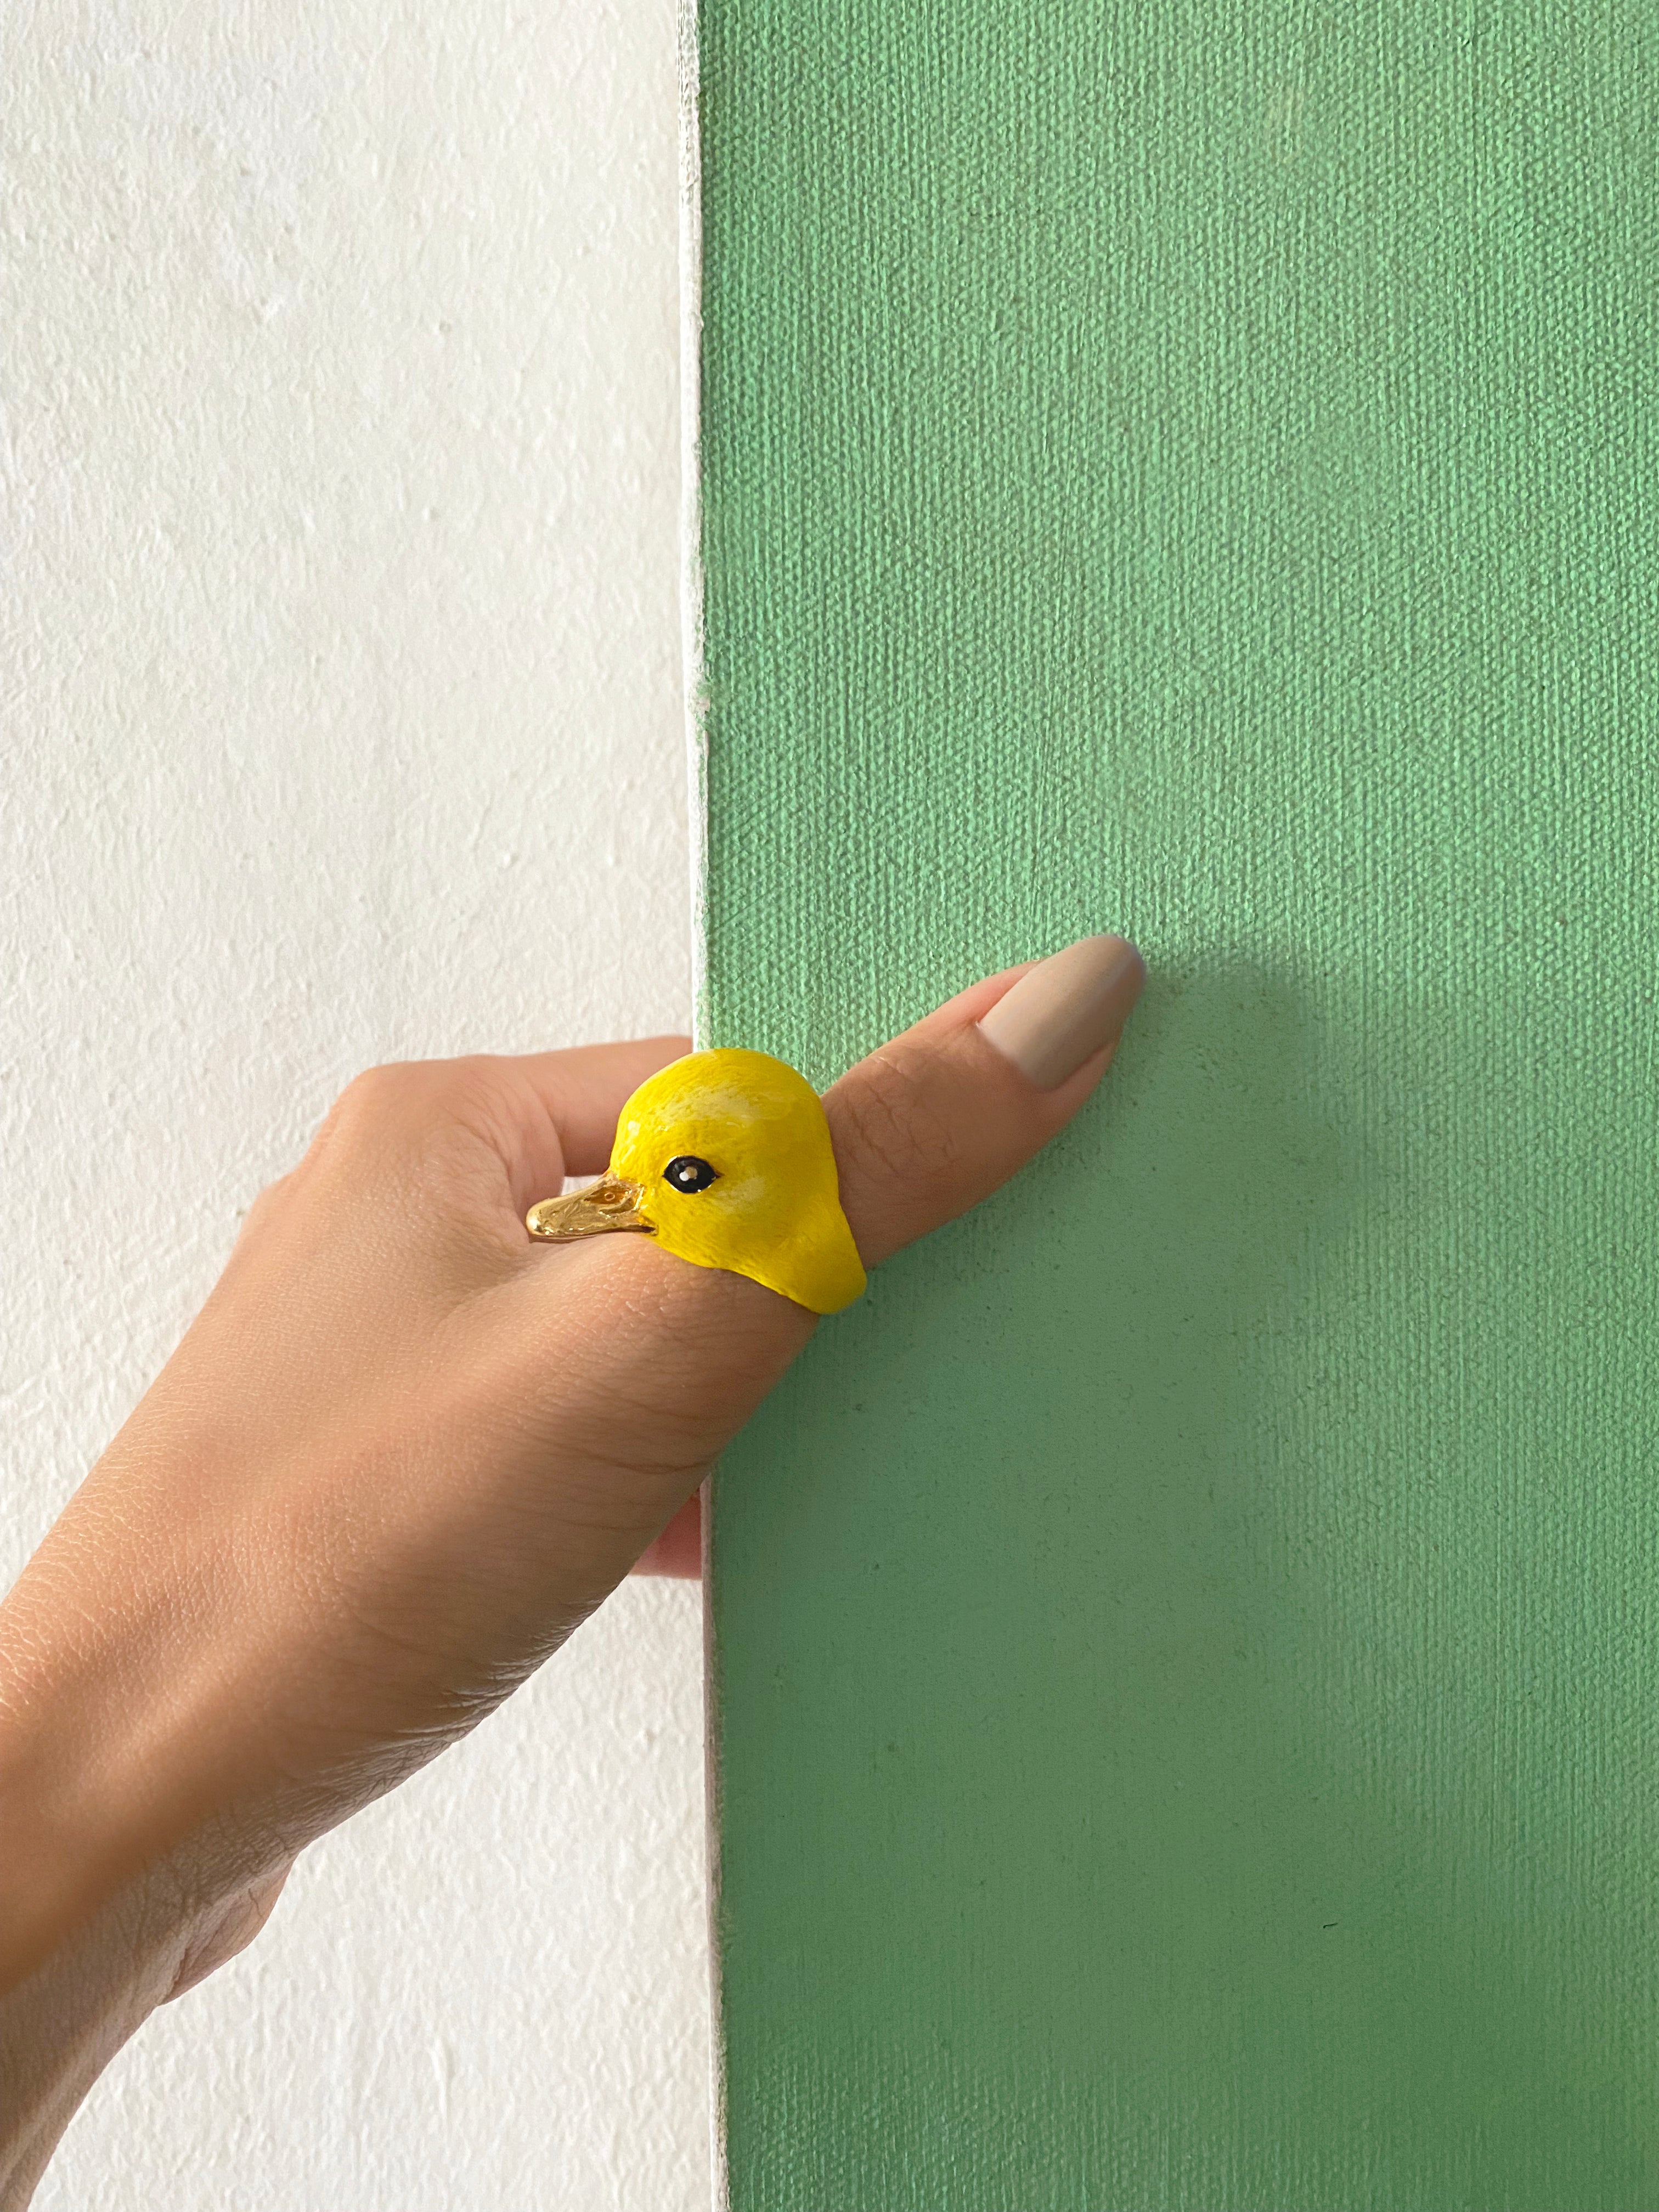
(404, 1451)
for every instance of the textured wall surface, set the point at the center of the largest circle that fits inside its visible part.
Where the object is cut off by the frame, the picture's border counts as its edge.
(1187, 1643)
(341, 722)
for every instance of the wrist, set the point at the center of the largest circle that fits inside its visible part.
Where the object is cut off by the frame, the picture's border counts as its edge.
(62, 1854)
(95, 1791)
(80, 1976)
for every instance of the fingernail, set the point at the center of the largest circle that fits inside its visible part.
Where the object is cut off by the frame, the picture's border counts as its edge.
(1066, 1008)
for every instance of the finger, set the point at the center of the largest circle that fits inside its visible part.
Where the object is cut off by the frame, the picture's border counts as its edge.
(585, 1089)
(679, 1550)
(232, 1928)
(668, 1361)
(934, 1121)
(570, 1101)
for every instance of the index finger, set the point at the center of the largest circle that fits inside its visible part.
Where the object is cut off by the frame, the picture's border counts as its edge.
(569, 1103)
(937, 1119)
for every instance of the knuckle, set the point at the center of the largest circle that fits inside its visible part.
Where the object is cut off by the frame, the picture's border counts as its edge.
(376, 1088)
(374, 1105)
(263, 1204)
(898, 1129)
(380, 1098)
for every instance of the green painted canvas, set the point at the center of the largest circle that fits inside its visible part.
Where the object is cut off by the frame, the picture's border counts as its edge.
(1187, 1646)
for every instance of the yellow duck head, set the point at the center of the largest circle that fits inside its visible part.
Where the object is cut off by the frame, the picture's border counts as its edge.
(725, 1159)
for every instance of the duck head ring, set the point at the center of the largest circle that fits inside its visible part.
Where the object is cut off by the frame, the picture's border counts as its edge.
(725, 1159)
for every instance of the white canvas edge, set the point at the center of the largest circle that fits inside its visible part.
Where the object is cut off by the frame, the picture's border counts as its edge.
(697, 762)
(692, 575)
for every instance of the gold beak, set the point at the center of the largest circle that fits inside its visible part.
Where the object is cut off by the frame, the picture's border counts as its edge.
(608, 1204)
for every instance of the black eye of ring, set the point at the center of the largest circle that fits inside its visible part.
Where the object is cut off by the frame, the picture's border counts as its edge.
(688, 1173)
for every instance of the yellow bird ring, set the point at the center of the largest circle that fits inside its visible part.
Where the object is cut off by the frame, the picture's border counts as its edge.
(725, 1159)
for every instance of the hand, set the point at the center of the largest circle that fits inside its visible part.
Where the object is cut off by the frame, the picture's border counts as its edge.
(404, 1451)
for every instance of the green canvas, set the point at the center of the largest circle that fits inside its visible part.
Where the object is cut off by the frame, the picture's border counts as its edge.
(1186, 1647)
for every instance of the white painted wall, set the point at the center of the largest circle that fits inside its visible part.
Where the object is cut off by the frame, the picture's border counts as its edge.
(342, 722)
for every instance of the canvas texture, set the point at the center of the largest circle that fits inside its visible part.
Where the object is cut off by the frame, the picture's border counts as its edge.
(1186, 1645)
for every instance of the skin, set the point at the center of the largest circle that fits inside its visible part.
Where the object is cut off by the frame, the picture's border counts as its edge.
(401, 1453)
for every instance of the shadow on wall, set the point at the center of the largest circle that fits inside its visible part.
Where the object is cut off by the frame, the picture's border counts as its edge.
(1182, 1827)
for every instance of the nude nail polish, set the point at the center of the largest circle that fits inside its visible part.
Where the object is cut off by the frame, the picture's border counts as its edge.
(1066, 1008)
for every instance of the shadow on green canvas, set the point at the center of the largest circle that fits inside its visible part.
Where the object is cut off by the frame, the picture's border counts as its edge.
(1077, 1574)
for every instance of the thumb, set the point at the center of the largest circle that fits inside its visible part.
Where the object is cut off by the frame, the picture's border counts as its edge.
(937, 1120)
